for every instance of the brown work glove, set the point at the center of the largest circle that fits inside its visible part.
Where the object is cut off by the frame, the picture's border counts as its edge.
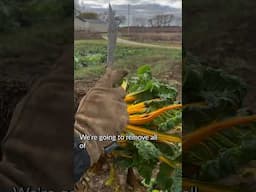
(102, 112)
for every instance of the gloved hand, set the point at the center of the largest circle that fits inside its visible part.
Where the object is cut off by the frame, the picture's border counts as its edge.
(102, 112)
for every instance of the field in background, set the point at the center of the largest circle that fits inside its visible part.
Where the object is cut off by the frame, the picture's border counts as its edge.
(171, 36)
(167, 36)
(91, 55)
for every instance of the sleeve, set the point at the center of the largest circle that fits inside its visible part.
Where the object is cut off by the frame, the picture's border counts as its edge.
(81, 159)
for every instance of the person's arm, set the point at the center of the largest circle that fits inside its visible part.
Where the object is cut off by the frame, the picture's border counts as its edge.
(101, 112)
(81, 159)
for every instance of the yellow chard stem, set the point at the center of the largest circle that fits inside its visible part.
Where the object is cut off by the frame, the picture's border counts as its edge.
(160, 136)
(146, 118)
(129, 98)
(167, 161)
(200, 134)
(132, 96)
(136, 110)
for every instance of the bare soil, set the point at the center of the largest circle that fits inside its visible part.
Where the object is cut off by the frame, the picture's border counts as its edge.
(78, 35)
(170, 29)
(174, 38)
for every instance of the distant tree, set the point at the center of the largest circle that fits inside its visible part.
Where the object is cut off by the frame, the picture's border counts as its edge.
(150, 21)
(168, 19)
(161, 20)
(140, 22)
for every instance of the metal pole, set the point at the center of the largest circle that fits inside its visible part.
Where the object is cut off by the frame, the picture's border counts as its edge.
(128, 19)
(112, 36)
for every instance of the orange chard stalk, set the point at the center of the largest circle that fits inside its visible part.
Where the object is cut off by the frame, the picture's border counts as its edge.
(129, 98)
(132, 96)
(136, 110)
(146, 118)
(138, 105)
(199, 135)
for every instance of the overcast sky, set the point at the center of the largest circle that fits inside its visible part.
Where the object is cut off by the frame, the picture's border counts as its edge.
(172, 3)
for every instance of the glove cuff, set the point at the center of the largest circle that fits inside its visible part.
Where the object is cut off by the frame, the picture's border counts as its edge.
(93, 149)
